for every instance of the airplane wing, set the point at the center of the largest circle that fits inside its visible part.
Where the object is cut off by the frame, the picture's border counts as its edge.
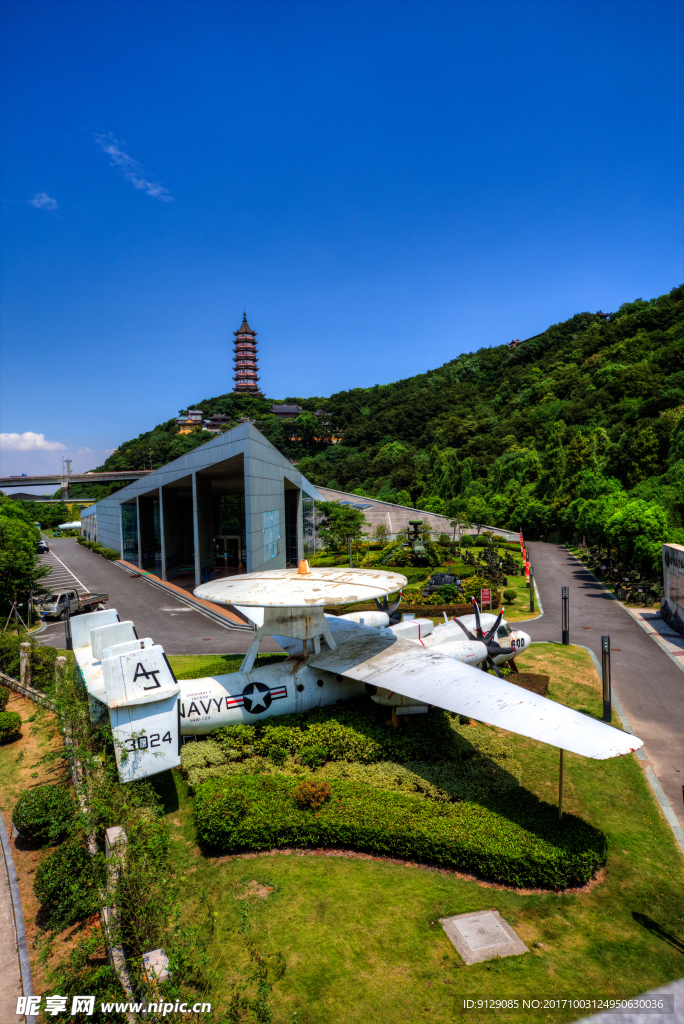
(380, 659)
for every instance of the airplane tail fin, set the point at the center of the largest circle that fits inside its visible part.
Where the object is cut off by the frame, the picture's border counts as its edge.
(143, 698)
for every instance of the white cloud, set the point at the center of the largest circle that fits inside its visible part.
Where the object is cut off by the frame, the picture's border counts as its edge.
(42, 201)
(131, 169)
(29, 442)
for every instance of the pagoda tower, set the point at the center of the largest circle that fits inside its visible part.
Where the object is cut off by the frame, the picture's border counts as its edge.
(245, 360)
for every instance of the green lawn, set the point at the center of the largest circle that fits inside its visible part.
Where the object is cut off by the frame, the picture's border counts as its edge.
(361, 938)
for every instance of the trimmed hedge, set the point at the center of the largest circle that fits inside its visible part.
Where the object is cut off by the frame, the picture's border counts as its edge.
(10, 725)
(519, 843)
(110, 553)
(43, 814)
(4, 697)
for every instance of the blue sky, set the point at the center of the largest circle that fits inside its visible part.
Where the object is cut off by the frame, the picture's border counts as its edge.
(381, 185)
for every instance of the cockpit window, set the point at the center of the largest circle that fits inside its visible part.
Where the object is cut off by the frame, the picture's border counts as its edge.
(503, 632)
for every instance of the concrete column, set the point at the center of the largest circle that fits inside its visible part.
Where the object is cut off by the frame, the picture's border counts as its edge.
(300, 526)
(162, 536)
(195, 528)
(137, 517)
(247, 554)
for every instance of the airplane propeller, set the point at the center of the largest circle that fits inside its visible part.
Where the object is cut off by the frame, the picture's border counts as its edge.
(494, 650)
(389, 609)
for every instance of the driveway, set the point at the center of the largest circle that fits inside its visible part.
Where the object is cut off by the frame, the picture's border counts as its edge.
(648, 684)
(179, 629)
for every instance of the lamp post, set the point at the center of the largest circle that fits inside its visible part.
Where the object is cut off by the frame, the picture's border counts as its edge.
(605, 665)
(565, 616)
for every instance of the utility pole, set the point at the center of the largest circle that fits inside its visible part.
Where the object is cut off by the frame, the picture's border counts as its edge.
(565, 616)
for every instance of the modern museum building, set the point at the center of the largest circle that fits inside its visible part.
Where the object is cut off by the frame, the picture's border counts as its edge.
(233, 504)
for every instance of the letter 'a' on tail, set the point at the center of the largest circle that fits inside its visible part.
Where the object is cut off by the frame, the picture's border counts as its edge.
(144, 711)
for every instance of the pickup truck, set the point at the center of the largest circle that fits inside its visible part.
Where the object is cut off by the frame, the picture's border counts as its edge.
(54, 606)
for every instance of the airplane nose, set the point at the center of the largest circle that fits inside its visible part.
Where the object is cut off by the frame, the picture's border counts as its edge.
(526, 639)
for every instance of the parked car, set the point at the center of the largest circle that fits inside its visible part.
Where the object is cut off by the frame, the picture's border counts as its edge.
(42, 546)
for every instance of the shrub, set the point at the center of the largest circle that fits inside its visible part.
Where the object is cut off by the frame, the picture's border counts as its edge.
(510, 596)
(481, 764)
(473, 586)
(109, 553)
(467, 541)
(43, 814)
(519, 842)
(312, 794)
(10, 725)
(66, 886)
(448, 594)
(4, 697)
(42, 659)
(352, 731)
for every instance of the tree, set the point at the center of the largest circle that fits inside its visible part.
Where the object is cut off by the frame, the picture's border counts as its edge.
(404, 498)
(637, 529)
(338, 524)
(20, 572)
(478, 511)
(307, 428)
(381, 533)
(434, 505)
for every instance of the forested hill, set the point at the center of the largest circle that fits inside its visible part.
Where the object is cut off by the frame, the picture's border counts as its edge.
(590, 408)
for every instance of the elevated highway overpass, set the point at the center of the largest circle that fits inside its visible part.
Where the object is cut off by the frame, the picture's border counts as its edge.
(60, 480)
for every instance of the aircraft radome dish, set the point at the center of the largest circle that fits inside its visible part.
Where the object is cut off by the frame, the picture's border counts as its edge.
(290, 588)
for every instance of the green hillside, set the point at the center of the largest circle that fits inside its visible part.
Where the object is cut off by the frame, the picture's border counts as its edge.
(558, 435)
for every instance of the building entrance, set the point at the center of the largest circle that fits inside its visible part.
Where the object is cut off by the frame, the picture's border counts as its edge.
(227, 552)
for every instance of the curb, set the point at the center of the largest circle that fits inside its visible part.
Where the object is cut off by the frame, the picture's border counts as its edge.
(665, 805)
(19, 926)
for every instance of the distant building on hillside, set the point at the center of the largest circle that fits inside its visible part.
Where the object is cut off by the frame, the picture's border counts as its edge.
(246, 361)
(286, 412)
(192, 419)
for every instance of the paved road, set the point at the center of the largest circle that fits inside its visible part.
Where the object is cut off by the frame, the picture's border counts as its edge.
(648, 684)
(179, 629)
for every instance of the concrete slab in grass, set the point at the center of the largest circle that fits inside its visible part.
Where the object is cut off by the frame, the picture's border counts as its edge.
(483, 935)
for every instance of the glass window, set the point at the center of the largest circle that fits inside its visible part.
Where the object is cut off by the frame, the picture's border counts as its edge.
(271, 526)
(129, 523)
(309, 525)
